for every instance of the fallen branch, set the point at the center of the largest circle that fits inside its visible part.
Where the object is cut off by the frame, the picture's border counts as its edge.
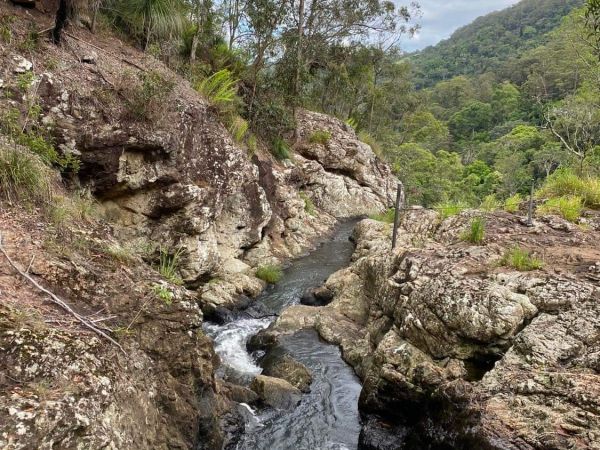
(56, 300)
(125, 60)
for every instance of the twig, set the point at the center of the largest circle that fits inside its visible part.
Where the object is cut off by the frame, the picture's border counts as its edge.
(30, 263)
(58, 301)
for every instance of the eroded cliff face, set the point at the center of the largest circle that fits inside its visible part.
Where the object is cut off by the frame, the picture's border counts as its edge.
(173, 180)
(457, 351)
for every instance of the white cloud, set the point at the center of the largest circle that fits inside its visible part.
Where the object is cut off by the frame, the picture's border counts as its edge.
(441, 18)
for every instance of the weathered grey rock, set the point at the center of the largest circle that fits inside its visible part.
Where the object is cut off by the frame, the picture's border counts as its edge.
(276, 392)
(288, 369)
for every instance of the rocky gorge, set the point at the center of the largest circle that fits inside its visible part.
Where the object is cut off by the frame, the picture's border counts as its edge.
(448, 348)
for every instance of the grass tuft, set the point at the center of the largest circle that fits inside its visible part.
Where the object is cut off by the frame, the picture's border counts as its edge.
(569, 207)
(23, 176)
(476, 232)
(449, 209)
(386, 217)
(512, 204)
(168, 265)
(564, 182)
(280, 149)
(163, 293)
(320, 137)
(490, 203)
(521, 260)
(270, 273)
(309, 206)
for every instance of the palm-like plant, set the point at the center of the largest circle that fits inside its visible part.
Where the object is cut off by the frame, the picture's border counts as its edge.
(153, 18)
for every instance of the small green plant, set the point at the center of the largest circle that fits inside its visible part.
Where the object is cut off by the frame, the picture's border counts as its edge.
(5, 34)
(512, 204)
(122, 332)
(52, 63)
(270, 273)
(309, 206)
(521, 260)
(569, 207)
(280, 149)
(386, 217)
(449, 209)
(31, 41)
(366, 138)
(320, 137)
(352, 122)
(163, 293)
(238, 128)
(220, 88)
(25, 80)
(168, 265)
(23, 176)
(490, 203)
(476, 232)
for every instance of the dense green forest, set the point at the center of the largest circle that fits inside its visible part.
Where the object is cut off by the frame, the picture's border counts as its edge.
(486, 44)
(525, 107)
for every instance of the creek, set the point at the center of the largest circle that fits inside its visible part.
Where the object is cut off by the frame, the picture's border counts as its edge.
(327, 418)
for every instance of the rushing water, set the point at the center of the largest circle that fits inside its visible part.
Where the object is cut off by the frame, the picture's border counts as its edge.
(327, 418)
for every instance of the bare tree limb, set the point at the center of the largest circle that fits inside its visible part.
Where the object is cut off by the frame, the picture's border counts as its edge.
(56, 300)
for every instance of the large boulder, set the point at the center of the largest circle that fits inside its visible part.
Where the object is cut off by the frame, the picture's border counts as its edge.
(276, 392)
(288, 369)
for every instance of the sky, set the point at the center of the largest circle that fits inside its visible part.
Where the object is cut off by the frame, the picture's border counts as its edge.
(442, 17)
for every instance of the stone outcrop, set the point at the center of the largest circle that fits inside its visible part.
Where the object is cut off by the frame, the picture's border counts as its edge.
(457, 351)
(168, 179)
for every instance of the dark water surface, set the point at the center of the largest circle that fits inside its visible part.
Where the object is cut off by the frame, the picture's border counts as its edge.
(327, 418)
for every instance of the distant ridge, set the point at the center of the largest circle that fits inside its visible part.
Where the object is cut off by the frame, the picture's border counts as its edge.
(488, 41)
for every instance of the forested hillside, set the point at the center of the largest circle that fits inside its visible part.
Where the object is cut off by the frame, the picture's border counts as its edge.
(486, 44)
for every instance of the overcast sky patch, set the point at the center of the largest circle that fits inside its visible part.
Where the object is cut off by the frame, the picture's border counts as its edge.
(441, 18)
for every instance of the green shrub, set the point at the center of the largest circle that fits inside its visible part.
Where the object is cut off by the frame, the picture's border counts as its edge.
(449, 209)
(168, 265)
(5, 34)
(31, 41)
(476, 232)
(569, 207)
(280, 149)
(387, 216)
(512, 204)
(521, 260)
(564, 182)
(490, 203)
(23, 176)
(309, 206)
(320, 137)
(220, 88)
(272, 119)
(270, 273)
(146, 96)
(238, 128)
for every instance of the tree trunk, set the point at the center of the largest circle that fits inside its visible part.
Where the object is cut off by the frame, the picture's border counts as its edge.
(195, 41)
(62, 16)
(299, 49)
